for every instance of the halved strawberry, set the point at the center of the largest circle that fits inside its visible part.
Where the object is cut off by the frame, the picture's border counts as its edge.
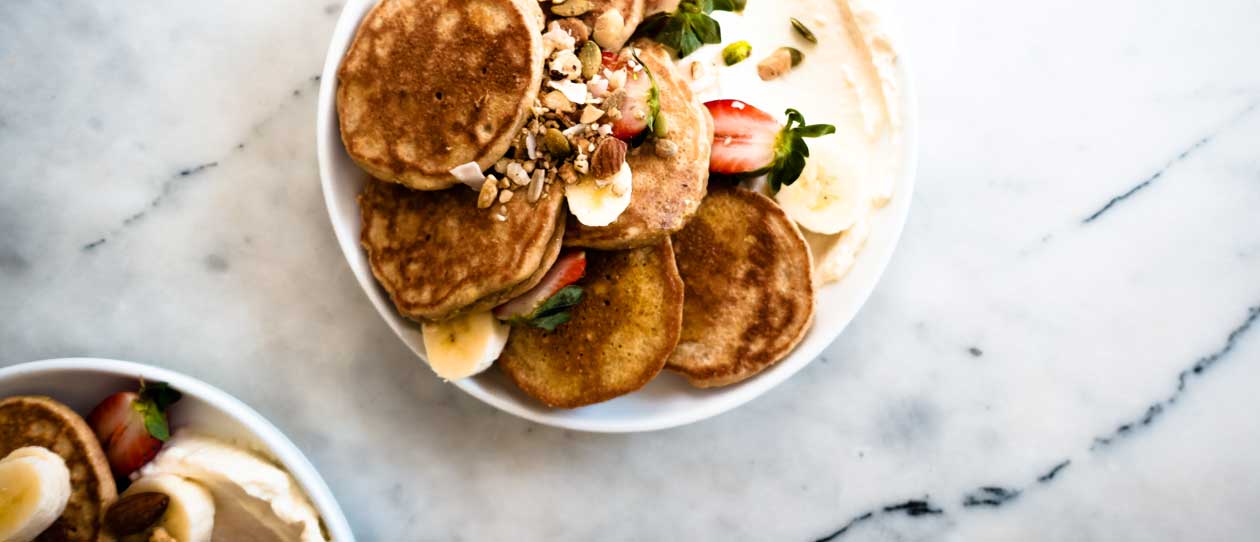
(568, 269)
(748, 142)
(637, 110)
(112, 413)
(132, 426)
(131, 446)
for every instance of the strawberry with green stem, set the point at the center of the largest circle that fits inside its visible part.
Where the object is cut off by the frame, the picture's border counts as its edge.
(748, 142)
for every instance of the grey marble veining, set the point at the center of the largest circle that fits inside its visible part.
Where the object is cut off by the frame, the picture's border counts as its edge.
(1065, 346)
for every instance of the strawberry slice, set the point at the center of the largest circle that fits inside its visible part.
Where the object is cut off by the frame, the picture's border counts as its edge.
(132, 426)
(750, 142)
(637, 107)
(568, 269)
(743, 137)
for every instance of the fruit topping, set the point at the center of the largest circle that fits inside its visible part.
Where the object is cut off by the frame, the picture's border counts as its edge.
(132, 425)
(748, 142)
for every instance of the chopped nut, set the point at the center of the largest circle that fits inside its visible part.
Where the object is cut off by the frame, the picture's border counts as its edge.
(505, 196)
(616, 79)
(666, 148)
(567, 64)
(781, 61)
(571, 8)
(736, 52)
(610, 29)
(489, 192)
(528, 165)
(582, 165)
(503, 210)
(591, 114)
(568, 174)
(500, 167)
(556, 101)
(516, 172)
(575, 28)
(608, 157)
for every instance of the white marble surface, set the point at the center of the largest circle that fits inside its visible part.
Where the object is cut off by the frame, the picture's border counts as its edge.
(159, 202)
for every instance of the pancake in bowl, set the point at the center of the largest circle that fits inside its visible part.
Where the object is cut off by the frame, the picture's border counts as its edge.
(41, 421)
(618, 338)
(429, 85)
(749, 284)
(668, 187)
(439, 256)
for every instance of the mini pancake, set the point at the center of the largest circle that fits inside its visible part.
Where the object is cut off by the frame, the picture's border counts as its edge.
(667, 190)
(439, 256)
(429, 85)
(41, 421)
(750, 288)
(618, 338)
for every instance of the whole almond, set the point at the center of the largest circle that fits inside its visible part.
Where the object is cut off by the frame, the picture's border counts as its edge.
(135, 513)
(608, 158)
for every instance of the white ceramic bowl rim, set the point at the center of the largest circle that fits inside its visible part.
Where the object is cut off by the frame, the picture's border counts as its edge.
(274, 441)
(887, 227)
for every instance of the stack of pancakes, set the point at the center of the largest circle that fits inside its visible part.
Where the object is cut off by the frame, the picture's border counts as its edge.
(715, 284)
(41, 421)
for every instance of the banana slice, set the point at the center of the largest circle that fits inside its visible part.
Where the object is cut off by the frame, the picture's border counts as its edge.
(465, 346)
(597, 206)
(830, 195)
(189, 514)
(34, 490)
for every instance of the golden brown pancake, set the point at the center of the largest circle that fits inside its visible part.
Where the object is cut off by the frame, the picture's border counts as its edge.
(750, 288)
(618, 338)
(438, 255)
(667, 190)
(41, 421)
(428, 85)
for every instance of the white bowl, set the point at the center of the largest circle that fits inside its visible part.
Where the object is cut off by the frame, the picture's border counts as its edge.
(668, 401)
(82, 383)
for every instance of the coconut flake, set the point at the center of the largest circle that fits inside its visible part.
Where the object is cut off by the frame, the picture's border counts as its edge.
(470, 174)
(573, 90)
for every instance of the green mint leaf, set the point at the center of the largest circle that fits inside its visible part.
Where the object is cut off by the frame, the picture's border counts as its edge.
(550, 323)
(160, 394)
(706, 29)
(566, 297)
(155, 423)
(689, 27)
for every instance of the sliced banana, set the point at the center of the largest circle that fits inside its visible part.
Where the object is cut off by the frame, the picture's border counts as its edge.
(598, 202)
(465, 346)
(34, 490)
(835, 254)
(189, 514)
(830, 195)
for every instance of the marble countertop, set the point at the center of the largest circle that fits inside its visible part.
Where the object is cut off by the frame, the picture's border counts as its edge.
(1065, 346)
